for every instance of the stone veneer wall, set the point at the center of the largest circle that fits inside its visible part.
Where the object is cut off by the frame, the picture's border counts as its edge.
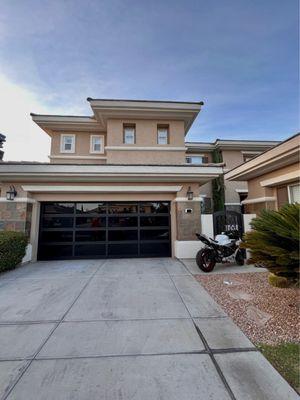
(188, 224)
(15, 216)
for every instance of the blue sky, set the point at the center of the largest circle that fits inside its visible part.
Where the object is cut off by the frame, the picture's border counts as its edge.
(238, 56)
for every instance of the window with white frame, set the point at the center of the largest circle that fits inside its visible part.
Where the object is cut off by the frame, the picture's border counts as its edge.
(294, 193)
(129, 134)
(96, 144)
(162, 134)
(196, 159)
(67, 143)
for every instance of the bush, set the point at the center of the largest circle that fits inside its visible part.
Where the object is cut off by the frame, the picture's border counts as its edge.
(274, 241)
(12, 249)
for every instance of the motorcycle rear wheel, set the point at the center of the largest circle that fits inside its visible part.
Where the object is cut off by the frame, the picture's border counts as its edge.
(205, 260)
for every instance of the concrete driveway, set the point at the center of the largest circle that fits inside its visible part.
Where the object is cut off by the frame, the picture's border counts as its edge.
(138, 329)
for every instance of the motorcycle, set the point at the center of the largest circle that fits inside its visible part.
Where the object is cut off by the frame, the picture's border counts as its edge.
(224, 248)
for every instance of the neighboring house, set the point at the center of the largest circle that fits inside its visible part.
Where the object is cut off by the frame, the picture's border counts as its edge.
(117, 185)
(273, 177)
(232, 153)
(2, 140)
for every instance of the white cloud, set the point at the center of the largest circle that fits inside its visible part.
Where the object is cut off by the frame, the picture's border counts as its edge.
(24, 139)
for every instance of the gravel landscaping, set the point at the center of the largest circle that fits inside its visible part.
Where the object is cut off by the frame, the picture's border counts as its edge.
(264, 313)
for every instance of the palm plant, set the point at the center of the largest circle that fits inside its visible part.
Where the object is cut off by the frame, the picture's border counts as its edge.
(274, 241)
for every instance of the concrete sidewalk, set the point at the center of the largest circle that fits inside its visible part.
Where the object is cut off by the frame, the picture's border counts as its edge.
(138, 329)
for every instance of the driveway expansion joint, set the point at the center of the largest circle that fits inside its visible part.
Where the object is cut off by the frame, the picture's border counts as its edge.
(209, 352)
(22, 372)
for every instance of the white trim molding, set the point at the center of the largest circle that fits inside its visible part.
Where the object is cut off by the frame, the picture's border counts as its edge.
(258, 200)
(292, 176)
(179, 199)
(101, 151)
(143, 148)
(241, 190)
(187, 248)
(232, 204)
(17, 200)
(107, 173)
(250, 152)
(100, 189)
(73, 144)
(79, 157)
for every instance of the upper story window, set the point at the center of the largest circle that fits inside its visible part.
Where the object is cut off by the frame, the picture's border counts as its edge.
(67, 143)
(129, 134)
(162, 135)
(196, 160)
(248, 156)
(96, 144)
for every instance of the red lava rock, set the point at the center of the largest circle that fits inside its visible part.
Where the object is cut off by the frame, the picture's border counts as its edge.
(281, 304)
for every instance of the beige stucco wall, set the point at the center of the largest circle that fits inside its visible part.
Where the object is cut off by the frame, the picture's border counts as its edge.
(232, 158)
(146, 136)
(74, 160)
(146, 132)
(257, 191)
(146, 157)
(82, 148)
(231, 194)
(255, 188)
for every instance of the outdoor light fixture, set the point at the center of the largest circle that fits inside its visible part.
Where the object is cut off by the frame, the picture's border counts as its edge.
(190, 194)
(11, 193)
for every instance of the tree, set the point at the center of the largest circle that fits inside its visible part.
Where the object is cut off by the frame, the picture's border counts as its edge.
(274, 243)
(218, 187)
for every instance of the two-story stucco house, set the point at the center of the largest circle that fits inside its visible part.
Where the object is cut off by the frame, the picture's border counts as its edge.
(118, 184)
(232, 153)
(273, 177)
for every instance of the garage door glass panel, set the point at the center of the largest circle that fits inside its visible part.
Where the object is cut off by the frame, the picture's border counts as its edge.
(155, 249)
(55, 251)
(89, 250)
(90, 236)
(56, 236)
(123, 208)
(57, 222)
(154, 221)
(59, 208)
(154, 208)
(122, 235)
(155, 234)
(125, 249)
(90, 208)
(122, 221)
(90, 222)
(104, 229)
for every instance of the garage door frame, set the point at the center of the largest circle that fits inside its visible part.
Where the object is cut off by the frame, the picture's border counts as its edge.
(140, 243)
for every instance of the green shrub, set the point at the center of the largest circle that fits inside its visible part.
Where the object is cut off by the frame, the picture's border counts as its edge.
(12, 249)
(278, 281)
(274, 241)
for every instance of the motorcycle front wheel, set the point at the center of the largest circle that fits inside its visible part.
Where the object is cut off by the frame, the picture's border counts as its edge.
(205, 260)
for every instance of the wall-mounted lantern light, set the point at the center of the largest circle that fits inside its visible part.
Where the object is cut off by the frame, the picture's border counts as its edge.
(190, 194)
(11, 193)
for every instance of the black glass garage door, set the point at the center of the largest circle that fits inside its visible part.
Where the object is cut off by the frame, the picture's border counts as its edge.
(103, 230)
